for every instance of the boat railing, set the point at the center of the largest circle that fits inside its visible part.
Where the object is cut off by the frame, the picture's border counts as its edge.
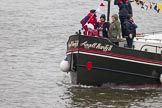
(156, 47)
(160, 40)
(152, 33)
(143, 36)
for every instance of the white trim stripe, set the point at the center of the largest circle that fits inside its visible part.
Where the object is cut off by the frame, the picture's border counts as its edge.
(117, 58)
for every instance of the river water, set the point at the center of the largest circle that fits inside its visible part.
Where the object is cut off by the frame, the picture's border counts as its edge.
(33, 36)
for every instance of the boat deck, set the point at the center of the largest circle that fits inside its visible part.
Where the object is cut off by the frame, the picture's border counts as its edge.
(149, 43)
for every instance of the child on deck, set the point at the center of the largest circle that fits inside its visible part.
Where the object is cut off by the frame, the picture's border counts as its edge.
(91, 31)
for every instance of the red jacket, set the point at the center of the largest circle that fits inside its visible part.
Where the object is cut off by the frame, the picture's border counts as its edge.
(122, 1)
(90, 18)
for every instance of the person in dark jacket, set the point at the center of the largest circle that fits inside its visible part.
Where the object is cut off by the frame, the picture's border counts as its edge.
(130, 30)
(125, 10)
(103, 26)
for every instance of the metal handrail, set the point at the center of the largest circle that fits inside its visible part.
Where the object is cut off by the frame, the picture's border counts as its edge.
(150, 46)
(150, 39)
(156, 32)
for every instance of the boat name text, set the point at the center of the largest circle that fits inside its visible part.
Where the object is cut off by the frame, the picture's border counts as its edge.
(98, 46)
(73, 44)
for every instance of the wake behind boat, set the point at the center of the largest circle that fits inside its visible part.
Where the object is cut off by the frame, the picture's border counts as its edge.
(96, 61)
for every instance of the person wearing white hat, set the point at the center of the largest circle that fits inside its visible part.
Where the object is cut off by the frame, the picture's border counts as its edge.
(91, 30)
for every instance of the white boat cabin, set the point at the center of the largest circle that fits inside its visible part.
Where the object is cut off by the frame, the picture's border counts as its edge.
(149, 43)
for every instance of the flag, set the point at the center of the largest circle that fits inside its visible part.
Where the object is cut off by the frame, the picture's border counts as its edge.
(159, 7)
(150, 5)
(102, 4)
(99, 8)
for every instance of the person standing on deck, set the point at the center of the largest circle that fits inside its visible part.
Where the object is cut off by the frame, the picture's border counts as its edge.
(125, 9)
(114, 30)
(130, 30)
(103, 26)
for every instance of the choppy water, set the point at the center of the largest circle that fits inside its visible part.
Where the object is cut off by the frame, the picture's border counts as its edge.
(33, 35)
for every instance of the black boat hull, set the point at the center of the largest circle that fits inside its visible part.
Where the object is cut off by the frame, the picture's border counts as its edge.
(96, 61)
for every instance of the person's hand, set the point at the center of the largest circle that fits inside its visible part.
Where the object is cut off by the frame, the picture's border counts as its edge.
(100, 28)
(130, 36)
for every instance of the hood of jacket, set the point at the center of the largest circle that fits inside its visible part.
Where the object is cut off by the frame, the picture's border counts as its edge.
(115, 16)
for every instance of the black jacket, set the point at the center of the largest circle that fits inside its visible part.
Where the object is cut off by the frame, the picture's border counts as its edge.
(129, 28)
(125, 9)
(105, 27)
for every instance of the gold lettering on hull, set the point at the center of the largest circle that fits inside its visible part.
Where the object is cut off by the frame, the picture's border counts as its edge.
(73, 44)
(97, 46)
(86, 45)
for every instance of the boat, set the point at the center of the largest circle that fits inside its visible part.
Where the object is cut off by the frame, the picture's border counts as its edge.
(97, 61)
